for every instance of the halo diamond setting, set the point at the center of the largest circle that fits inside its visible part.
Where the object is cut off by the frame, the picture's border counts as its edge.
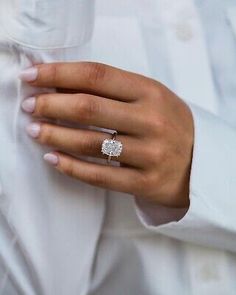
(111, 147)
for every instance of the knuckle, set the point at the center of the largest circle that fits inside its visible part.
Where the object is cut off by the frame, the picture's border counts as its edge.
(150, 154)
(86, 107)
(42, 106)
(142, 183)
(70, 169)
(158, 125)
(46, 135)
(93, 145)
(148, 123)
(158, 91)
(151, 90)
(148, 182)
(98, 179)
(159, 154)
(96, 72)
(157, 96)
(88, 146)
(51, 72)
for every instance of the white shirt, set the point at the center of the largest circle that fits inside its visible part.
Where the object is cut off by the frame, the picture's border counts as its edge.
(61, 236)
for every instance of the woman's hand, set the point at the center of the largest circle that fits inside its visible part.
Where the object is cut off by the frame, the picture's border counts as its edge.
(153, 124)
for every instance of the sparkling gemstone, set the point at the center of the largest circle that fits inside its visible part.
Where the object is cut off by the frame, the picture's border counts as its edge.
(111, 147)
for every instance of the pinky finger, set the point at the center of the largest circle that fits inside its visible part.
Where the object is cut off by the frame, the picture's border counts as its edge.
(122, 179)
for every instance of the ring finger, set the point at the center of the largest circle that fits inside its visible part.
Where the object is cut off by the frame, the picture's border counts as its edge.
(85, 142)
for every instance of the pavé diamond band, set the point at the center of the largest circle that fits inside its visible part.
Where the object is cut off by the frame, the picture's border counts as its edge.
(111, 147)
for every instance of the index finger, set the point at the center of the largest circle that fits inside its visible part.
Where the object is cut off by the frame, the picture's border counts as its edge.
(89, 77)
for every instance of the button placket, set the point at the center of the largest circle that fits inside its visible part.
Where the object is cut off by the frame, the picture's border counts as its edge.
(187, 53)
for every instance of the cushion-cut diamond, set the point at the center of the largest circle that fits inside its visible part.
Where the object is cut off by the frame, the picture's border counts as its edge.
(111, 147)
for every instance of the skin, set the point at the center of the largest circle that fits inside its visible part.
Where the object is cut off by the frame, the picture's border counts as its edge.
(154, 125)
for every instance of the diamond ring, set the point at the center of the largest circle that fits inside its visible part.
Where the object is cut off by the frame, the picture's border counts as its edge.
(111, 147)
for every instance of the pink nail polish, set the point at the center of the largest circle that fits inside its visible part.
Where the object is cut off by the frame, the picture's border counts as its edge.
(33, 129)
(29, 75)
(28, 105)
(51, 159)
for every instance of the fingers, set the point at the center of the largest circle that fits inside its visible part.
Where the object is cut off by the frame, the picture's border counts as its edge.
(85, 109)
(86, 142)
(89, 77)
(110, 177)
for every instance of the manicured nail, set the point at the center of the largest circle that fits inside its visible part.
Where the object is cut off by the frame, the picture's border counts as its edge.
(33, 129)
(28, 105)
(51, 159)
(29, 74)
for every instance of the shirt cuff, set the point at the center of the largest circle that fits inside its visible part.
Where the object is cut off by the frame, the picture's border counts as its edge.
(210, 219)
(153, 214)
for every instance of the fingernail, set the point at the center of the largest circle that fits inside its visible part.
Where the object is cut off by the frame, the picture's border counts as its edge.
(29, 74)
(51, 159)
(28, 105)
(33, 129)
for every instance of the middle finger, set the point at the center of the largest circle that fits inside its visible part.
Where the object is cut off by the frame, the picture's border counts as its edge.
(87, 109)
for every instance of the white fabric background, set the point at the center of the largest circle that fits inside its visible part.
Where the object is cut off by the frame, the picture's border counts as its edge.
(60, 236)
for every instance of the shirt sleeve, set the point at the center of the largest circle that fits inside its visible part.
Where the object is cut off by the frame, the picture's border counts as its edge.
(210, 219)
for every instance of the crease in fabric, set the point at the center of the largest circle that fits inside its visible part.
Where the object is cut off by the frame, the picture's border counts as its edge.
(14, 242)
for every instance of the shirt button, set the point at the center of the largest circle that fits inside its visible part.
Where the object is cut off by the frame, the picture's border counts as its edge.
(183, 31)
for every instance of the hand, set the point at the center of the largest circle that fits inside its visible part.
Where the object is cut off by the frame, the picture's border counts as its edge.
(153, 124)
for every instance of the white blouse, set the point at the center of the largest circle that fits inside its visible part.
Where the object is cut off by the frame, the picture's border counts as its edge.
(61, 236)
